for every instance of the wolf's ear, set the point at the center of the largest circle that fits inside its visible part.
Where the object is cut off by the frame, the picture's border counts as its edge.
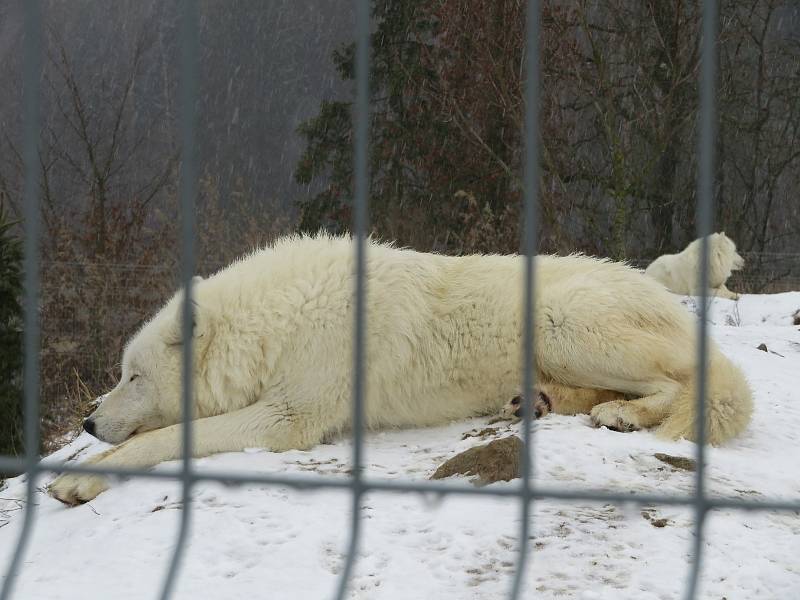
(201, 319)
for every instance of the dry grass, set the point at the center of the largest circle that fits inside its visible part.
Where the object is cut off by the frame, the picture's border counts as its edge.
(65, 419)
(88, 311)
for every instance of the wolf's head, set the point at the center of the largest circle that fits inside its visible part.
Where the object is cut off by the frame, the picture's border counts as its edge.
(726, 248)
(148, 395)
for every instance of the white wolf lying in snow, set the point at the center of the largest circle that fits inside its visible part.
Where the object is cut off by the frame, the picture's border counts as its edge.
(273, 338)
(680, 273)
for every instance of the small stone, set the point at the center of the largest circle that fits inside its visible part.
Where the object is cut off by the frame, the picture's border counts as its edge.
(654, 522)
(679, 462)
(763, 347)
(496, 461)
(659, 522)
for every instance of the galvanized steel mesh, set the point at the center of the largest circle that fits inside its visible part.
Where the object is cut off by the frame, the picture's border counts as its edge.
(358, 485)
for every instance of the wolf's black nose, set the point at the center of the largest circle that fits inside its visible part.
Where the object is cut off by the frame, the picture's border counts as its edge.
(88, 426)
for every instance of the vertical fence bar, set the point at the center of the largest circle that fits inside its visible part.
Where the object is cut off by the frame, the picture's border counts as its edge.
(31, 74)
(705, 199)
(360, 218)
(530, 201)
(188, 189)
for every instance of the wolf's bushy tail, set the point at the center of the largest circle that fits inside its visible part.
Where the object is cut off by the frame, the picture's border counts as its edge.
(728, 404)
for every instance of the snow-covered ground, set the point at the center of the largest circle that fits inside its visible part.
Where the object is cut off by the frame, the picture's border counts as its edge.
(272, 542)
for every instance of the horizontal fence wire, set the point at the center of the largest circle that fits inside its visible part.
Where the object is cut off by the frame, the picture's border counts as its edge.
(357, 483)
(431, 488)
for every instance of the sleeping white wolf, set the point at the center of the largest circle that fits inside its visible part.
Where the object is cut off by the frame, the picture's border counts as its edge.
(273, 337)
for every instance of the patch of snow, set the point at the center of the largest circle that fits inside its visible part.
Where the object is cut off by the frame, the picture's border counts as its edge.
(750, 310)
(254, 541)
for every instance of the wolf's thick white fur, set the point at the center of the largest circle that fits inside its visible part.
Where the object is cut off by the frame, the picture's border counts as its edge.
(273, 352)
(680, 273)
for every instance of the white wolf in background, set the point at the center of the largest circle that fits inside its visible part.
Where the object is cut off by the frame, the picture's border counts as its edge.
(680, 273)
(273, 351)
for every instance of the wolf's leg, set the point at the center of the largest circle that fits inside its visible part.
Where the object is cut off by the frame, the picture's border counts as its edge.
(723, 292)
(615, 347)
(715, 292)
(260, 424)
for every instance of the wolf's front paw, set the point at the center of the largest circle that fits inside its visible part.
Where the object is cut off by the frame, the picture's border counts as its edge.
(618, 415)
(75, 489)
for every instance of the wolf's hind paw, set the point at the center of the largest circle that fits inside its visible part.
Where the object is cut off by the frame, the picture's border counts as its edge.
(542, 405)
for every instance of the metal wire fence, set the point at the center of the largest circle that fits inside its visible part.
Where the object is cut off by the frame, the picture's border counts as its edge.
(358, 485)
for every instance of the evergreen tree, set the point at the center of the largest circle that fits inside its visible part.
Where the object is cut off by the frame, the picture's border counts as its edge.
(10, 339)
(396, 44)
(445, 143)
